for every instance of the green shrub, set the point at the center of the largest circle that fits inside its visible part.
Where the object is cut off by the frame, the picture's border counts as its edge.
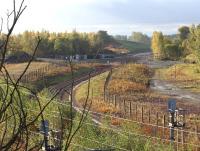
(192, 58)
(172, 51)
(18, 57)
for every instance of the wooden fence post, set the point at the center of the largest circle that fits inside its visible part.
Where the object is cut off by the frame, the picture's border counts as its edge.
(33, 75)
(177, 147)
(130, 108)
(124, 106)
(149, 114)
(164, 126)
(136, 112)
(157, 118)
(182, 138)
(115, 101)
(120, 103)
(142, 114)
(108, 98)
(156, 129)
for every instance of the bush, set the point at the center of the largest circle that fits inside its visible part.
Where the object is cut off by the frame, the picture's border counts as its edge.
(122, 86)
(191, 59)
(172, 52)
(134, 72)
(18, 57)
(130, 78)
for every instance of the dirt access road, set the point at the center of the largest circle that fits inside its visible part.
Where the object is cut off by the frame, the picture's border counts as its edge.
(165, 87)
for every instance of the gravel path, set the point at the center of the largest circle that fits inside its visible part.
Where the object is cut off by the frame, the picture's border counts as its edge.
(169, 89)
(165, 87)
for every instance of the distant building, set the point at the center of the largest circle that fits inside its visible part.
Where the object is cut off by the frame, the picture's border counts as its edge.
(106, 56)
(85, 57)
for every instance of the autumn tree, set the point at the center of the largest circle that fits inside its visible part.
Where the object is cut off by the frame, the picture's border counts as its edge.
(140, 37)
(59, 43)
(183, 32)
(157, 44)
(47, 45)
(172, 51)
(193, 41)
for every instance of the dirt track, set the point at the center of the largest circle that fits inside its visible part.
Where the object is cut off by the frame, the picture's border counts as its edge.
(165, 87)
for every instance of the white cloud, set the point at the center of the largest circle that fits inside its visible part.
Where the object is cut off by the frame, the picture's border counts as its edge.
(62, 15)
(169, 1)
(127, 29)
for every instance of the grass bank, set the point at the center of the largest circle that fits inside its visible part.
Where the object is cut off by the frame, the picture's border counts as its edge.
(43, 74)
(135, 47)
(123, 81)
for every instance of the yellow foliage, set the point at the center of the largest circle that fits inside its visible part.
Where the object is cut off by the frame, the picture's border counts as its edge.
(130, 77)
(157, 44)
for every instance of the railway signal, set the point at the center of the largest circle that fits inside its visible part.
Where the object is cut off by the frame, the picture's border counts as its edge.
(176, 117)
(44, 129)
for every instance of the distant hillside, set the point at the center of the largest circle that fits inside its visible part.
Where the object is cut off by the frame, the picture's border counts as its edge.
(134, 47)
(115, 47)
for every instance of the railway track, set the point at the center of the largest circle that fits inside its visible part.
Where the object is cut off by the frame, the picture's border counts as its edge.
(66, 86)
(62, 89)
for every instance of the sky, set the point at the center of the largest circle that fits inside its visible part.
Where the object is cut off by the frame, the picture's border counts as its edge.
(115, 16)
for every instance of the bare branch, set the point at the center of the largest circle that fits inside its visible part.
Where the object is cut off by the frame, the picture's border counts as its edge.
(1, 27)
(19, 12)
(14, 8)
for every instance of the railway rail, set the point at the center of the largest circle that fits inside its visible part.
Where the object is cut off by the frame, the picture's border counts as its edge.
(66, 86)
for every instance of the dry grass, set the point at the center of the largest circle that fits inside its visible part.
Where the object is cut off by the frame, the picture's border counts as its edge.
(103, 107)
(18, 68)
(38, 70)
(130, 78)
(186, 76)
(180, 72)
(98, 105)
(121, 86)
(134, 72)
(116, 121)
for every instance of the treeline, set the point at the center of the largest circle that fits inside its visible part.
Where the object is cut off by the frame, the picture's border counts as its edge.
(135, 37)
(59, 43)
(182, 45)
